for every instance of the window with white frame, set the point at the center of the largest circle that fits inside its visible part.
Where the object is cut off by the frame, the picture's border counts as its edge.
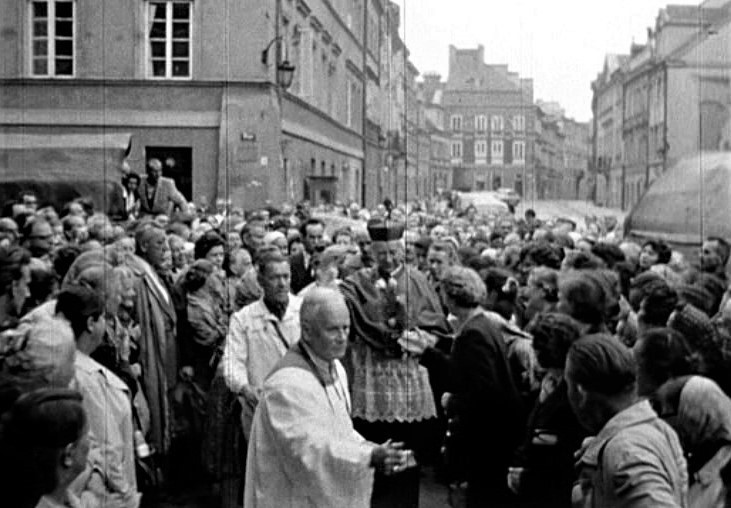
(456, 122)
(518, 152)
(496, 123)
(481, 123)
(169, 32)
(480, 149)
(519, 123)
(496, 152)
(349, 103)
(353, 97)
(456, 149)
(52, 37)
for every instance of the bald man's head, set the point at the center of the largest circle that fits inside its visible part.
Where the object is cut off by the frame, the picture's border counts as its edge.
(325, 322)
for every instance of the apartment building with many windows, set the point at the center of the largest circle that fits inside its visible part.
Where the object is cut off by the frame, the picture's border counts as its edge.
(189, 80)
(667, 99)
(490, 124)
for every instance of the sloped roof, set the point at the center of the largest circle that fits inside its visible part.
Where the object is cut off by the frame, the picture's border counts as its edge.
(613, 61)
(431, 125)
(690, 13)
(719, 29)
(468, 71)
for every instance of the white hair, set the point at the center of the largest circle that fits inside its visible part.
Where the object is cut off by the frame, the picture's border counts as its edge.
(313, 302)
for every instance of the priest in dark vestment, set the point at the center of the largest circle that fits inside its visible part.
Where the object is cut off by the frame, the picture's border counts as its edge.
(391, 393)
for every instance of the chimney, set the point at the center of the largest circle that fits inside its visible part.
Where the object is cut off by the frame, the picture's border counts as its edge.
(432, 78)
(452, 59)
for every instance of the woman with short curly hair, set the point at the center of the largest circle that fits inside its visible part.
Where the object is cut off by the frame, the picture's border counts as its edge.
(479, 445)
(206, 319)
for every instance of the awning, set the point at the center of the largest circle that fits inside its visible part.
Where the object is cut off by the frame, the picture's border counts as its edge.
(63, 156)
(62, 167)
(20, 141)
(682, 207)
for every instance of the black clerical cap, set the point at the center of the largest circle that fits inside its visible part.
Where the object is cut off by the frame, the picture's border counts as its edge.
(385, 231)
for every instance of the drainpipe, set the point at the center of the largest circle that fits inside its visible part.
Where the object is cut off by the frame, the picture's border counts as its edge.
(364, 126)
(665, 118)
(647, 134)
(624, 158)
(595, 123)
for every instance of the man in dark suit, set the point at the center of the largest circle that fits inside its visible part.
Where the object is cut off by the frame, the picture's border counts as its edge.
(158, 194)
(312, 231)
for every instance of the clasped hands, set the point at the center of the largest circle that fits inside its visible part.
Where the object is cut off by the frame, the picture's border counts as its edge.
(391, 458)
(416, 341)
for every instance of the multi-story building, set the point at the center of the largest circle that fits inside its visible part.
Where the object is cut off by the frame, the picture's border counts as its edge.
(490, 121)
(431, 92)
(635, 121)
(548, 152)
(577, 155)
(607, 144)
(675, 99)
(562, 153)
(394, 56)
(197, 85)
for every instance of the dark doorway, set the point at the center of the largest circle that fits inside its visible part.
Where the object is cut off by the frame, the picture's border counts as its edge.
(321, 190)
(177, 163)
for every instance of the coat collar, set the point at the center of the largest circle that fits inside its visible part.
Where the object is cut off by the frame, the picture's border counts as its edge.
(637, 414)
(260, 310)
(87, 364)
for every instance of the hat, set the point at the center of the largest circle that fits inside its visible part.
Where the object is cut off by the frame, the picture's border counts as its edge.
(695, 295)
(385, 231)
(334, 254)
(695, 326)
(38, 353)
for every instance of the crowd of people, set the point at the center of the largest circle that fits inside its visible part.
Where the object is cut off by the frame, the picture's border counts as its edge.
(284, 357)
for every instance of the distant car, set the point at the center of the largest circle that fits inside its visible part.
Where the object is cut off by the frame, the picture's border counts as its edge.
(485, 202)
(508, 195)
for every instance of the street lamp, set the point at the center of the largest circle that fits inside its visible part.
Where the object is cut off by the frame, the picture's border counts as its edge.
(285, 70)
(285, 74)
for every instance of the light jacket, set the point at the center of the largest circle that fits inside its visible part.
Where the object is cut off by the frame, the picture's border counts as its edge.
(634, 462)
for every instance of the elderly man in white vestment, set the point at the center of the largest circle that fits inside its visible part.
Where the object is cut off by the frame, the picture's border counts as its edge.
(303, 450)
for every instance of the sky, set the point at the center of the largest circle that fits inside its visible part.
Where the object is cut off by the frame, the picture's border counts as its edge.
(561, 44)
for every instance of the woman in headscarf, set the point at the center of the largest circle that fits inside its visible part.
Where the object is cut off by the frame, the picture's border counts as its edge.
(694, 406)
